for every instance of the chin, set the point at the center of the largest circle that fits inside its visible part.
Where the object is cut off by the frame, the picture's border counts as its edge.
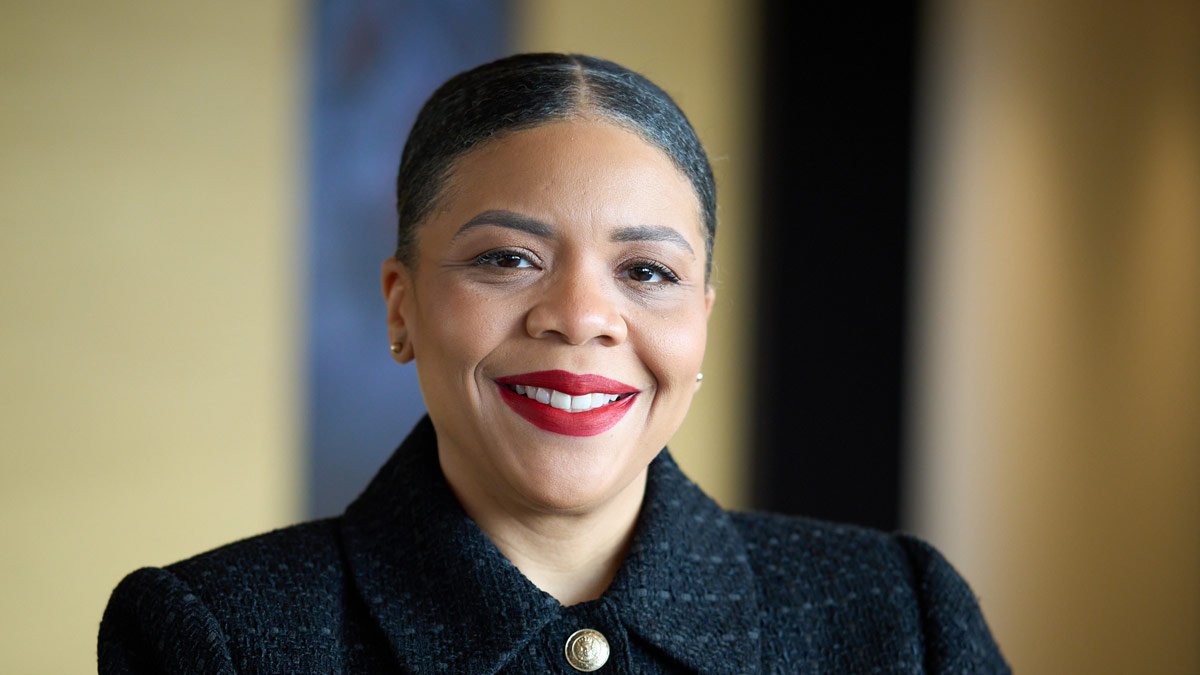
(565, 479)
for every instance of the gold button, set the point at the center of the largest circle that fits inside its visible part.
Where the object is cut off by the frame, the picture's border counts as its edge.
(587, 650)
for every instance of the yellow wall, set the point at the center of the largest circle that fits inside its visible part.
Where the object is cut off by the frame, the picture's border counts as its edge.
(149, 266)
(1059, 361)
(703, 53)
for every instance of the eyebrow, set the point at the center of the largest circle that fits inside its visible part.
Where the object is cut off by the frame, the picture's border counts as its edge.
(652, 233)
(522, 223)
(510, 220)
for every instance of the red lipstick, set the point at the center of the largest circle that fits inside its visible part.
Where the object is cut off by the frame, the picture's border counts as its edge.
(548, 418)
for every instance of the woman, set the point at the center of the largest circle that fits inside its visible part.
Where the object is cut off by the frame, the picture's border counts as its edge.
(556, 220)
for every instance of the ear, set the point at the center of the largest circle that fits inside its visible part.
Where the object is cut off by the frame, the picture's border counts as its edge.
(710, 297)
(396, 280)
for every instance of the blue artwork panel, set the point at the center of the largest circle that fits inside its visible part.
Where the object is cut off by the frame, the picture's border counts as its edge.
(374, 63)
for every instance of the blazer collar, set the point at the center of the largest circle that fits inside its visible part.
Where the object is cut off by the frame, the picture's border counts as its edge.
(443, 594)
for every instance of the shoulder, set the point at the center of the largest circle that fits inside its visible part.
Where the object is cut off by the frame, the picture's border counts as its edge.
(779, 545)
(210, 608)
(840, 571)
(154, 623)
(297, 556)
(778, 541)
(867, 593)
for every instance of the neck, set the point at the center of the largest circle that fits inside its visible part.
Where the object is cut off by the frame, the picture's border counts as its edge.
(572, 555)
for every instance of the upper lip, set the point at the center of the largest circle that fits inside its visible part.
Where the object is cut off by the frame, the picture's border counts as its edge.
(569, 383)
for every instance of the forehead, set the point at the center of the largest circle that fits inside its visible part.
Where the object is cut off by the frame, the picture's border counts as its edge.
(575, 172)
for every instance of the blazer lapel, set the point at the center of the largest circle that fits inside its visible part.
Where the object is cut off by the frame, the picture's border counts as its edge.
(686, 585)
(442, 593)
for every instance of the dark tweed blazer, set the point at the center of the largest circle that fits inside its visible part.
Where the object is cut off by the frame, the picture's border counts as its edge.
(406, 582)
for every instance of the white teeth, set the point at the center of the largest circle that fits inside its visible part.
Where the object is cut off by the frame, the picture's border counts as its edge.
(557, 399)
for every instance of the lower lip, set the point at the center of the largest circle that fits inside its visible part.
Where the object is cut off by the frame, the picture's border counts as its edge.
(548, 418)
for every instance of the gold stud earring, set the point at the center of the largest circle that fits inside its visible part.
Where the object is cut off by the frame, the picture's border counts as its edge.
(397, 346)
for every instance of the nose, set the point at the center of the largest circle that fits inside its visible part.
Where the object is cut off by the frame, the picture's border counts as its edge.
(577, 308)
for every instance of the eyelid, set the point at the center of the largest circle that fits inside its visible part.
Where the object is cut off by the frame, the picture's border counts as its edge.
(509, 251)
(497, 253)
(669, 275)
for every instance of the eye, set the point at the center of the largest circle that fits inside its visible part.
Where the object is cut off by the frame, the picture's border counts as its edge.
(506, 259)
(648, 272)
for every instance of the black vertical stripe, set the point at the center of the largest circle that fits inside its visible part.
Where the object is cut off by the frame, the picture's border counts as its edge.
(837, 121)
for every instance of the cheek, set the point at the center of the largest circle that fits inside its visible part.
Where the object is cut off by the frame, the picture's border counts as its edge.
(674, 349)
(459, 326)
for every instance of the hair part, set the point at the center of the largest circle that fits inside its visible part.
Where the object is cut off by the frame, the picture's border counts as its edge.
(528, 90)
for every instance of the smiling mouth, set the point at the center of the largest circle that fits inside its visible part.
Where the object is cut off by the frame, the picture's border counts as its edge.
(566, 402)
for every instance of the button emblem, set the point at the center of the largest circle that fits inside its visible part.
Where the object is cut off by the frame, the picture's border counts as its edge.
(587, 650)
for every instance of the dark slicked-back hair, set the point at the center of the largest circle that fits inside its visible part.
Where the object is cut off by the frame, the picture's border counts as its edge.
(527, 90)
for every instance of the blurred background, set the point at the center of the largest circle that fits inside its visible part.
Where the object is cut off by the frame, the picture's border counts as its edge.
(958, 271)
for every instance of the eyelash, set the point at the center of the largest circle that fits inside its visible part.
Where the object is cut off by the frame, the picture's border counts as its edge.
(493, 257)
(659, 268)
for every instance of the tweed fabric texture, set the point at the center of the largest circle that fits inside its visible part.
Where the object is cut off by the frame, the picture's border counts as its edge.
(405, 582)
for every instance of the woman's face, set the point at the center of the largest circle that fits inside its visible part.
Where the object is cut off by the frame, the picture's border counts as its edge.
(557, 313)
